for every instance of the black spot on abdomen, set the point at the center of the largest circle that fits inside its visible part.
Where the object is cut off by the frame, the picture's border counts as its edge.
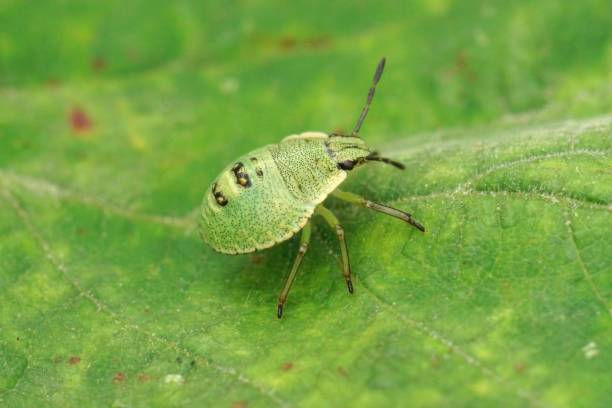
(219, 197)
(242, 177)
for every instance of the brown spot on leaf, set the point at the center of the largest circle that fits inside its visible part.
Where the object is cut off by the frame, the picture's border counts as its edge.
(79, 120)
(436, 361)
(287, 366)
(239, 404)
(460, 61)
(519, 367)
(119, 378)
(462, 68)
(257, 259)
(319, 42)
(98, 64)
(143, 378)
(342, 371)
(287, 43)
(74, 360)
(53, 83)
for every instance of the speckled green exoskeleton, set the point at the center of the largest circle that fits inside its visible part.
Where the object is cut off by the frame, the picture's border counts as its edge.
(268, 195)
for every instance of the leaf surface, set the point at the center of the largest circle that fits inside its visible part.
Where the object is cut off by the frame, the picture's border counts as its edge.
(109, 136)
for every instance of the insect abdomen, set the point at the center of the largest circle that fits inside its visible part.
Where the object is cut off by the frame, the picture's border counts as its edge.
(248, 206)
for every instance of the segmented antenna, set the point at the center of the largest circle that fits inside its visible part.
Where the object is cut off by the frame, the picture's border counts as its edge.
(375, 157)
(364, 112)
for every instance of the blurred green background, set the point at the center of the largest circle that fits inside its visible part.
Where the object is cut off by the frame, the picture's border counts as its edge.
(115, 116)
(226, 77)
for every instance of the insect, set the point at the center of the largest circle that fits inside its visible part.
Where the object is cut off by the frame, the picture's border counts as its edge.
(268, 195)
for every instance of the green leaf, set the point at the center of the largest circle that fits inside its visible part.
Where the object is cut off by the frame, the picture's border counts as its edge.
(114, 118)
(507, 298)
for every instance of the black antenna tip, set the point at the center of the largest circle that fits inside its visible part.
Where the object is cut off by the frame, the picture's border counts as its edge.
(279, 311)
(397, 164)
(379, 70)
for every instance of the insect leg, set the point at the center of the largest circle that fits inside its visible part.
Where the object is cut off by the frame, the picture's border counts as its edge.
(394, 212)
(304, 241)
(335, 224)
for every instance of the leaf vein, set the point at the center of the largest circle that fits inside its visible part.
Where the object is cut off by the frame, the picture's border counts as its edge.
(525, 195)
(434, 335)
(585, 272)
(44, 187)
(466, 185)
(465, 356)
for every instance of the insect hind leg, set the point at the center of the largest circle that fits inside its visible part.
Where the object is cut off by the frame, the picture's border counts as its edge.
(304, 242)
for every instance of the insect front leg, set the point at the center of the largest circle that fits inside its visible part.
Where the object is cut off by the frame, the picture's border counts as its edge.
(304, 242)
(335, 224)
(394, 212)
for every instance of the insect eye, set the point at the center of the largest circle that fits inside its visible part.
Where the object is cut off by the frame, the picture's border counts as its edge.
(346, 165)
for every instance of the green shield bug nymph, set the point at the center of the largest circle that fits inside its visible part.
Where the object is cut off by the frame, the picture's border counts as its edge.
(268, 195)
